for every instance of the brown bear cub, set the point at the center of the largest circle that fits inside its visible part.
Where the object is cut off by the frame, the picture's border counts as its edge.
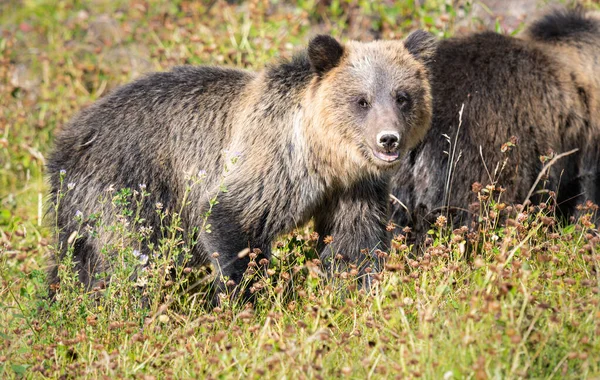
(314, 137)
(543, 88)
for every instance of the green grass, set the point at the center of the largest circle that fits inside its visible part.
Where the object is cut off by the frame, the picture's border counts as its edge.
(524, 304)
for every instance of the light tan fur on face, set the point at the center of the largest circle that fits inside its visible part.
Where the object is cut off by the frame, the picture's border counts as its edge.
(332, 126)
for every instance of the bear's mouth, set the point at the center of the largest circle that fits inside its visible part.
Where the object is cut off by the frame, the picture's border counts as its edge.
(386, 156)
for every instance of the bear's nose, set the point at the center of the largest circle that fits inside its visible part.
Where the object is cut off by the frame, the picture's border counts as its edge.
(388, 140)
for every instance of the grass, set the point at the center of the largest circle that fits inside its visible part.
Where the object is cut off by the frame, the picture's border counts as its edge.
(525, 303)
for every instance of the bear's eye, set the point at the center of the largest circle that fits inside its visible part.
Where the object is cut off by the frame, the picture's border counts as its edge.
(363, 103)
(402, 98)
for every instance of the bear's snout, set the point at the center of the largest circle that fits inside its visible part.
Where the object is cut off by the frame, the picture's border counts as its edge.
(386, 146)
(388, 140)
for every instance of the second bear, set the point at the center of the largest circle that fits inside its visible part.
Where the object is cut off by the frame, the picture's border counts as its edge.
(524, 99)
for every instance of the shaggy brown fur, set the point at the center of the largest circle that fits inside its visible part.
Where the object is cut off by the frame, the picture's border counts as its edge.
(315, 137)
(543, 88)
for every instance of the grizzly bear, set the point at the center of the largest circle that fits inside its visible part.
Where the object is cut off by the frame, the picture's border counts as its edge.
(314, 137)
(522, 99)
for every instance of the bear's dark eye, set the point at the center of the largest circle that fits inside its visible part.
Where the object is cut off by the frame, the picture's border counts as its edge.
(402, 98)
(363, 103)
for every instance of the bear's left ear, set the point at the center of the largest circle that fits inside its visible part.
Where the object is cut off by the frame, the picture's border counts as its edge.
(421, 45)
(324, 53)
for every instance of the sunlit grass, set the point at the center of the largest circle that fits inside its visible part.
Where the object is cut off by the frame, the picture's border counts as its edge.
(520, 301)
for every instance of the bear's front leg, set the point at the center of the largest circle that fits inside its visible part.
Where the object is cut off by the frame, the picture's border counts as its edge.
(229, 247)
(356, 219)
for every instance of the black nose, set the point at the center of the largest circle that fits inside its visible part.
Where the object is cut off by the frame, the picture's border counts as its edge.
(388, 141)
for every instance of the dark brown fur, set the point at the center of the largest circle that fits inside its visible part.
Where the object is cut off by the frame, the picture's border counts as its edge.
(305, 150)
(542, 88)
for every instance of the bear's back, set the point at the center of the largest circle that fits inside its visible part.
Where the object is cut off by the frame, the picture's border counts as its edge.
(499, 79)
(148, 128)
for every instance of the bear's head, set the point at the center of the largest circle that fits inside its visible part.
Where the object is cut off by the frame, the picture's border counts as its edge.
(372, 100)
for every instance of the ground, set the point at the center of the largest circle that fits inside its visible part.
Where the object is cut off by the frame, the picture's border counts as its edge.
(516, 296)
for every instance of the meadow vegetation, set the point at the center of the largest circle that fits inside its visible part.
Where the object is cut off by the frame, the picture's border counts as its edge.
(516, 295)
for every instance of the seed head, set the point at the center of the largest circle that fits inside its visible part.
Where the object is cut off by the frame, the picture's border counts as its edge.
(441, 221)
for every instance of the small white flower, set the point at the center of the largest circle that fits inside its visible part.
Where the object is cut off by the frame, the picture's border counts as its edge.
(141, 282)
(142, 186)
(78, 214)
(143, 259)
(63, 172)
(71, 185)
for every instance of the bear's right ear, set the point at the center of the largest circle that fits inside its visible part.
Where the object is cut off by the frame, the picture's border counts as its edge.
(324, 53)
(421, 45)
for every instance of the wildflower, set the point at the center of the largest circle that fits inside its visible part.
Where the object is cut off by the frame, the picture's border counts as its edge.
(142, 258)
(202, 173)
(91, 320)
(328, 239)
(141, 282)
(78, 215)
(145, 231)
(441, 221)
(70, 185)
(142, 186)
(63, 172)
(159, 206)
(547, 221)
(476, 187)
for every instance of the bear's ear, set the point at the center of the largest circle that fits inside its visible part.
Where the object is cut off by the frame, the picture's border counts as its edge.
(324, 53)
(421, 45)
